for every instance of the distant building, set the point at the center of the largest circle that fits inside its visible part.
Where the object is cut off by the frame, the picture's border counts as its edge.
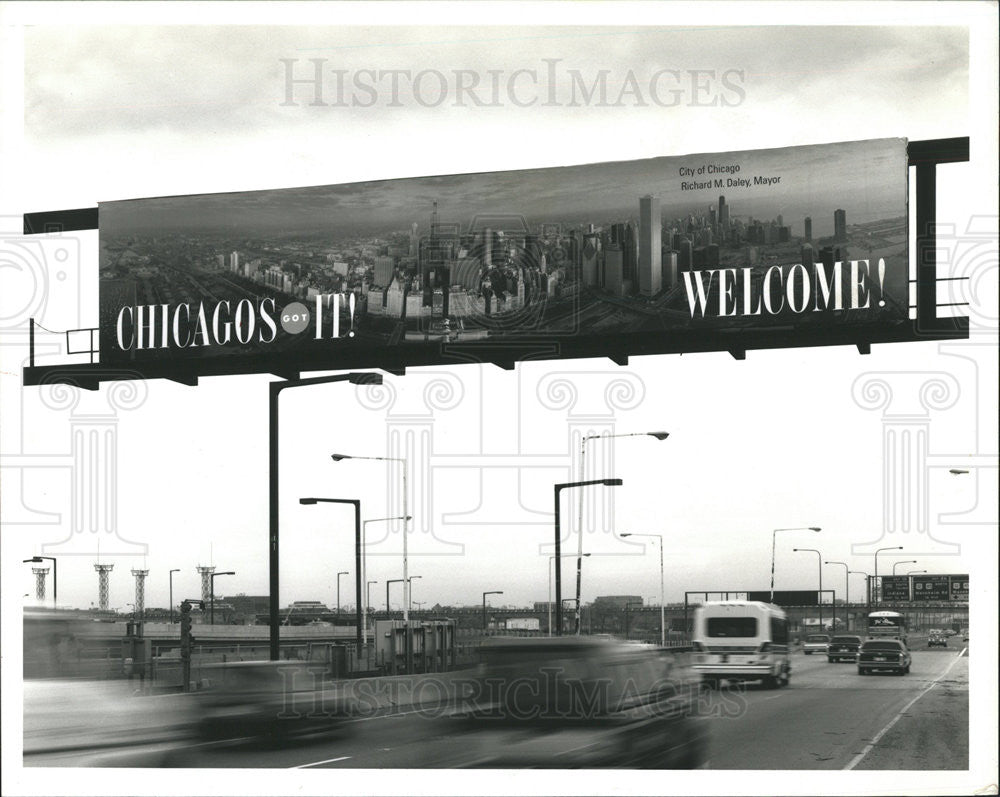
(384, 266)
(840, 225)
(809, 229)
(616, 601)
(649, 267)
(614, 279)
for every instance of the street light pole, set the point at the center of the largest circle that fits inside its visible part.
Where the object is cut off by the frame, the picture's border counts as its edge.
(663, 626)
(387, 583)
(368, 600)
(491, 592)
(551, 559)
(847, 591)
(583, 454)
(557, 489)
(212, 577)
(876, 586)
(904, 562)
(364, 561)
(356, 504)
(339, 574)
(275, 389)
(409, 582)
(774, 535)
(819, 596)
(171, 579)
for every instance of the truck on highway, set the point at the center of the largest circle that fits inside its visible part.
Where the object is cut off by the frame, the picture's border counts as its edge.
(523, 624)
(741, 641)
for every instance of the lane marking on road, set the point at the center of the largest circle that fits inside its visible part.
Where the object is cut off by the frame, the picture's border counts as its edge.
(320, 763)
(871, 745)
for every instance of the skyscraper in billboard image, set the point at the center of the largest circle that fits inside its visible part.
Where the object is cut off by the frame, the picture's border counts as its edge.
(804, 238)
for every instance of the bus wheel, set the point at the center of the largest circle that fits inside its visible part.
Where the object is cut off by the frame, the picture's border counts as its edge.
(770, 682)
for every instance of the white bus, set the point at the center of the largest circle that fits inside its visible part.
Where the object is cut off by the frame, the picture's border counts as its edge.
(741, 641)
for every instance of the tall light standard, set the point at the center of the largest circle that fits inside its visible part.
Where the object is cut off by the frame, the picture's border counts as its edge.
(275, 389)
(171, 579)
(401, 461)
(387, 585)
(847, 591)
(339, 574)
(914, 572)
(55, 585)
(583, 455)
(905, 562)
(491, 592)
(364, 559)
(552, 559)
(356, 504)
(409, 582)
(557, 489)
(212, 577)
(663, 626)
(368, 604)
(774, 535)
(819, 595)
(875, 582)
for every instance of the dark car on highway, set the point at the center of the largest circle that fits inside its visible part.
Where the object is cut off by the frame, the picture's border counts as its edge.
(843, 648)
(937, 640)
(573, 702)
(883, 654)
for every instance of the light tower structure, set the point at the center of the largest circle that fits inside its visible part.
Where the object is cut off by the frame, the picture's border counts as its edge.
(140, 593)
(102, 585)
(40, 574)
(206, 581)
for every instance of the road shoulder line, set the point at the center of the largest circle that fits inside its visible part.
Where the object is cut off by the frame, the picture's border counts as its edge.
(871, 745)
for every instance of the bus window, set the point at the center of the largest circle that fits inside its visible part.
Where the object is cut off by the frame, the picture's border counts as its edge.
(734, 627)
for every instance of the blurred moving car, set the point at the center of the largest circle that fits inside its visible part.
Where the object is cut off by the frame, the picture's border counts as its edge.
(883, 654)
(843, 648)
(937, 640)
(815, 643)
(582, 702)
(267, 700)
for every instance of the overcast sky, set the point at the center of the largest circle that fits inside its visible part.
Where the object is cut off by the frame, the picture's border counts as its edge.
(104, 103)
(867, 179)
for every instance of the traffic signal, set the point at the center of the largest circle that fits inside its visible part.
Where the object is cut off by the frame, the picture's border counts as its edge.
(185, 624)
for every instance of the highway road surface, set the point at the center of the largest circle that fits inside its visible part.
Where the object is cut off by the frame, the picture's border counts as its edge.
(829, 717)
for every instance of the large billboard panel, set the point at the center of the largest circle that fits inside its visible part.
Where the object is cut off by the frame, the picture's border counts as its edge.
(795, 597)
(614, 256)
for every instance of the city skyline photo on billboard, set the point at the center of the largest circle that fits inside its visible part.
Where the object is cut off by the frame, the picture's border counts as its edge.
(635, 256)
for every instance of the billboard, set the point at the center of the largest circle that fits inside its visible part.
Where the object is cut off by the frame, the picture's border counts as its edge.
(623, 257)
(895, 588)
(799, 597)
(932, 588)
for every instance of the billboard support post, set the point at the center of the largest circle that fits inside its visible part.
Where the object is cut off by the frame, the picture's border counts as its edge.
(275, 389)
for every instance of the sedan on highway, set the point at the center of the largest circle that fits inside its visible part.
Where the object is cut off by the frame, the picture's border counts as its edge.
(815, 643)
(843, 648)
(937, 640)
(883, 654)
